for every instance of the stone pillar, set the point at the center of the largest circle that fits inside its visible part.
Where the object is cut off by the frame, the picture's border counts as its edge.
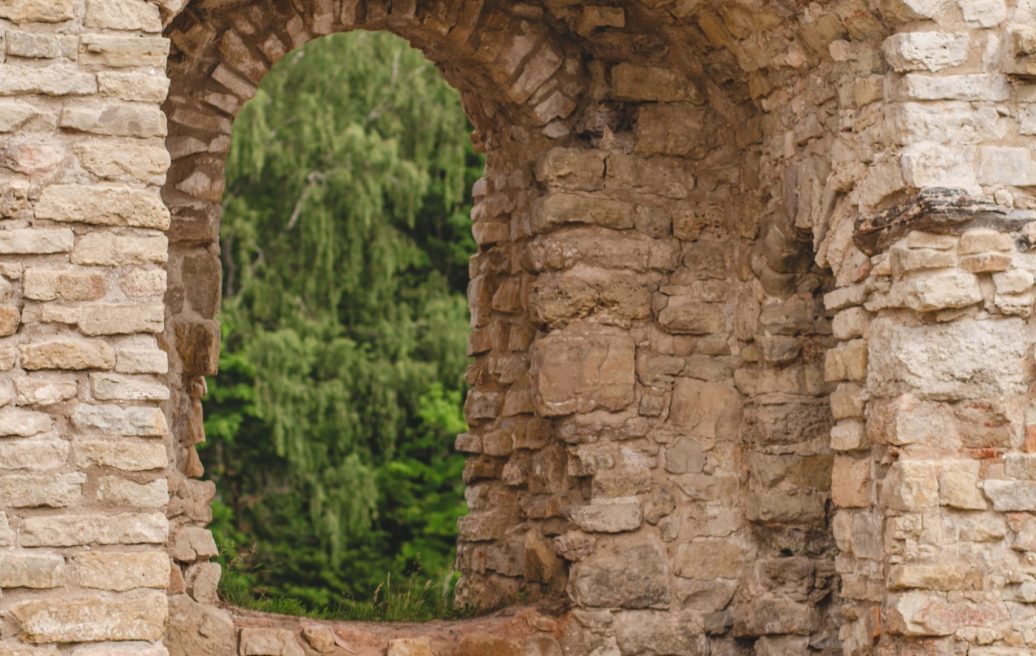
(932, 473)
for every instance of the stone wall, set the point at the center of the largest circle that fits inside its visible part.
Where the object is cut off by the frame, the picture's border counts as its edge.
(751, 323)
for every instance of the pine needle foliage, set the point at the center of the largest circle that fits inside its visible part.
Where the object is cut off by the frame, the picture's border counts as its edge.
(345, 240)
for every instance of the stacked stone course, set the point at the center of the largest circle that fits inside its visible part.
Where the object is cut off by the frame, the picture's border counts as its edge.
(751, 336)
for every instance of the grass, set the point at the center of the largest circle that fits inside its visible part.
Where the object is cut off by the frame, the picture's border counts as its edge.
(415, 599)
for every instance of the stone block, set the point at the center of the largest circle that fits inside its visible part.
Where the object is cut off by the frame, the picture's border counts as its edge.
(115, 120)
(580, 369)
(708, 411)
(848, 401)
(661, 633)
(53, 80)
(269, 642)
(68, 354)
(769, 615)
(128, 161)
(117, 387)
(41, 284)
(1011, 496)
(624, 572)
(142, 361)
(911, 485)
(988, 87)
(43, 391)
(931, 51)
(671, 129)
(710, 559)
(608, 515)
(575, 169)
(36, 241)
(968, 358)
(103, 205)
(929, 614)
(946, 575)
(41, 490)
(122, 570)
(982, 240)
(848, 436)
(560, 208)
(122, 319)
(124, 455)
(106, 249)
(17, 422)
(91, 618)
(126, 15)
(192, 543)
(123, 51)
(650, 83)
(959, 485)
(94, 529)
(851, 482)
(1005, 165)
(18, 115)
(685, 315)
(34, 454)
(31, 570)
(113, 419)
(38, 11)
(117, 491)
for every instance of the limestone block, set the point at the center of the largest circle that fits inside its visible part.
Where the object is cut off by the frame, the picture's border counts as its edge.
(123, 51)
(845, 297)
(847, 361)
(120, 454)
(685, 315)
(848, 401)
(848, 436)
(41, 284)
(965, 359)
(23, 423)
(269, 642)
(928, 614)
(909, 10)
(654, 632)
(410, 647)
(929, 164)
(851, 482)
(36, 241)
(983, 13)
(133, 421)
(106, 249)
(121, 492)
(117, 387)
(322, 639)
(959, 485)
(770, 615)
(708, 411)
(193, 543)
(203, 582)
(576, 169)
(608, 515)
(911, 485)
(129, 15)
(142, 361)
(90, 618)
(1006, 165)
(115, 119)
(55, 80)
(43, 392)
(34, 455)
(103, 205)
(1015, 281)
(663, 177)
(199, 630)
(986, 262)
(89, 528)
(16, 115)
(36, 490)
(31, 570)
(850, 324)
(580, 369)
(559, 208)
(709, 559)
(1011, 496)
(614, 297)
(6, 534)
(938, 290)
(988, 87)
(932, 51)
(904, 260)
(946, 575)
(982, 240)
(122, 570)
(67, 353)
(37, 11)
(917, 239)
(121, 319)
(133, 87)
(624, 572)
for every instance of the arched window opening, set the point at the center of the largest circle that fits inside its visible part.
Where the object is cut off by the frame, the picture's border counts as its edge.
(344, 242)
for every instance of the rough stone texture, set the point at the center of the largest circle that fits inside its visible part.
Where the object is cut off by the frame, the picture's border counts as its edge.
(751, 323)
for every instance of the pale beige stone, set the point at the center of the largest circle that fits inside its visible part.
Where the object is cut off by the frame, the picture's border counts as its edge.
(103, 205)
(37, 11)
(41, 284)
(68, 353)
(16, 115)
(115, 119)
(125, 161)
(130, 15)
(44, 391)
(104, 248)
(90, 528)
(96, 320)
(269, 642)
(144, 283)
(57, 80)
(23, 423)
(134, 87)
(132, 421)
(30, 241)
(123, 51)
(117, 387)
(959, 485)
(932, 51)
(31, 570)
(90, 618)
(608, 515)
(192, 543)
(709, 559)
(580, 369)
(34, 454)
(122, 570)
(120, 454)
(38, 490)
(911, 485)
(121, 492)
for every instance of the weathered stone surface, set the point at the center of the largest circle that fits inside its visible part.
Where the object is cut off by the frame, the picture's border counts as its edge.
(23, 423)
(87, 528)
(608, 515)
(31, 570)
(133, 421)
(123, 15)
(92, 618)
(199, 630)
(580, 369)
(632, 572)
(31, 241)
(121, 492)
(106, 249)
(708, 411)
(33, 454)
(967, 358)
(269, 642)
(192, 543)
(925, 614)
(660, 634)
(117, 120)
(73, 354)
(37, 11)
(562, 208)
(33, 490)
(117, 387)
(121, 571)
(103, 205)
(125, 455)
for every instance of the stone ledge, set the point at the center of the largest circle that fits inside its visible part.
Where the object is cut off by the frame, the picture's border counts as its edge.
(937, 210)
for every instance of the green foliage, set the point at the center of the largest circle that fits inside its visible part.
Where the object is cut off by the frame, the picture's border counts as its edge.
(345, 240)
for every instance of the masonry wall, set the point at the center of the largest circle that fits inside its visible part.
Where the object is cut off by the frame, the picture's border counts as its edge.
(751, 324)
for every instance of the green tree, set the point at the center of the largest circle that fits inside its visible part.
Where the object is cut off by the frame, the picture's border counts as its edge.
(345, 240)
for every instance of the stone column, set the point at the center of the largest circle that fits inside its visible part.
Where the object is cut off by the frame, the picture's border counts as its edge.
(932, 480)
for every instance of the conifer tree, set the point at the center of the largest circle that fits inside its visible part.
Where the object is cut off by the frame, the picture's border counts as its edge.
(345, 240)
